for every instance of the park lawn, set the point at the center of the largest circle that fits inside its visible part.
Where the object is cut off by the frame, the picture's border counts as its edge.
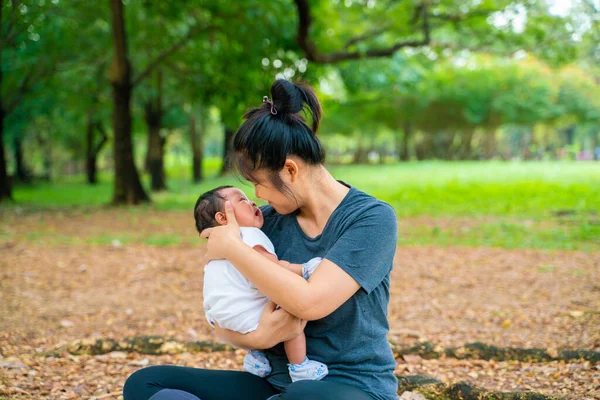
(551, 205)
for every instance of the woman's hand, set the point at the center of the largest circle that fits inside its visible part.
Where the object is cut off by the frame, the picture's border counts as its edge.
(275, 326)
(222, 238)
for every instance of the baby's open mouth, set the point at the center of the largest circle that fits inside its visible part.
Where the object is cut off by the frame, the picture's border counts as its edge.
(257, 212)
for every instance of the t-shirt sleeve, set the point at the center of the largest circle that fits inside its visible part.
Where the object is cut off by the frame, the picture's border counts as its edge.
(255, 237)
(366, 249)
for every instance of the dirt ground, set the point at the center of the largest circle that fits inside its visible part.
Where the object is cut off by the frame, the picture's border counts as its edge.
(53, 292)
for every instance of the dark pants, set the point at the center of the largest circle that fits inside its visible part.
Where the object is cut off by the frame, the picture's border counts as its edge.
(207, 384)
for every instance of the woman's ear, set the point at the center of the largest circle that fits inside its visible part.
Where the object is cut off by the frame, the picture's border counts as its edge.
(221, 218)
(290, 169)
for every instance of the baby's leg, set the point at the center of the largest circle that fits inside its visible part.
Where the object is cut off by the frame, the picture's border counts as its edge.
(300, 367)
(295, 349)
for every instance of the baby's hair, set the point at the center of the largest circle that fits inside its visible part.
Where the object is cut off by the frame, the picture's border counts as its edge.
(207, 206)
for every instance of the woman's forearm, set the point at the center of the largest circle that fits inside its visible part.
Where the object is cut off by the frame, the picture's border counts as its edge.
(246, 341)
(282, 286)
(275, 326)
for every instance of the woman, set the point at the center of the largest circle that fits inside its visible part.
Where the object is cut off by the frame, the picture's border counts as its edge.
(310, 214)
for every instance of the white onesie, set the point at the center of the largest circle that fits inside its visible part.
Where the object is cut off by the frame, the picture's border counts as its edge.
(230, 299)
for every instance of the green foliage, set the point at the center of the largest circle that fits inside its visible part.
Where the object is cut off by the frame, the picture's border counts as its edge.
(461, 93)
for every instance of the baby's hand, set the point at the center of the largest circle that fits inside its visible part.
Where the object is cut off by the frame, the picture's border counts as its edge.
(295, 268)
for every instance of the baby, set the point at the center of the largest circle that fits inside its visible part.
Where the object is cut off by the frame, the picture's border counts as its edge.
(231, 300)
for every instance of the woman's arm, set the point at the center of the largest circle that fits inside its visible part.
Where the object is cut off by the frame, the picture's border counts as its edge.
(275, 326)
(327, 289)
(295, 268)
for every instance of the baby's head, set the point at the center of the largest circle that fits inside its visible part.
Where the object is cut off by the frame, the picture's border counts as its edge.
(209, 210)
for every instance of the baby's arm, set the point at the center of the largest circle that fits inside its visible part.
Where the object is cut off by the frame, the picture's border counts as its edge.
(295, 268)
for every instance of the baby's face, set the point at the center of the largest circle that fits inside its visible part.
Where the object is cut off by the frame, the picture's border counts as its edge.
(246, 212)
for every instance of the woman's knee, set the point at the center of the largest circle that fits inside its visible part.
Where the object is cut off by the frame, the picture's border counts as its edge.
(173, 394)
(138, 382)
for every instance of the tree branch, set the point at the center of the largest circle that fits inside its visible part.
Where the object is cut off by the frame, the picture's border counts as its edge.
(478, 49)
(100, 128)
(161, 57)
(312, 54)
(462, 16)
(363, 37)
(21, 92)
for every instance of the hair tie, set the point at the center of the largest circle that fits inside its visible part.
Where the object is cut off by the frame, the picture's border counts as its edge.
(273, 109)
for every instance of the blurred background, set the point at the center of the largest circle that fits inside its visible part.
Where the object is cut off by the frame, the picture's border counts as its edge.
(445, 108)
(478, 121)
(86, 86)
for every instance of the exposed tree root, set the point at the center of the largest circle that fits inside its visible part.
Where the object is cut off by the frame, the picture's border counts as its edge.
(486, 352)
(157, 345)
(154, 345)
(433, 389)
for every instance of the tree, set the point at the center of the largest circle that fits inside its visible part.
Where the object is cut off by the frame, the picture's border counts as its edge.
(241, 49)
(196, 143)
(351, 31)
(29, 27)
(22, 67)
(449, 102)
(93, 125)
(153, 114)
(127, 186)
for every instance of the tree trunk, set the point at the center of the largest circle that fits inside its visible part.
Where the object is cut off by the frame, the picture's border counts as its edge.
(156, 143)
(490, 144)
(127, 186)
(227, 150)
(45, 146)
(90, 158)
(570, 134)
(197, 150)
(21, 172)
(595, 145)
(442, 145)
(362, 155)
(424, 150)
(449, 139)
(155, 147)
(5, 189)
(406, 137)
(466, 147)
(92, 150)
(526, 145)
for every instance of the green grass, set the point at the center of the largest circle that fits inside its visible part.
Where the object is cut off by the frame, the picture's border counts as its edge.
(481, 188)
(506, 233)
(553, 205)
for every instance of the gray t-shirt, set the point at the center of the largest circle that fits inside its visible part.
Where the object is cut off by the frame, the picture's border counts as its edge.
(360, 237)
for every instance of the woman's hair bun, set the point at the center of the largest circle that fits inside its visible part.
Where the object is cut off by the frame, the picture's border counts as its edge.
(286, 98)
(291, 98)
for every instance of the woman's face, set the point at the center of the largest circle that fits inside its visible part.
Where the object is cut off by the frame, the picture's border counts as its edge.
(283, 203)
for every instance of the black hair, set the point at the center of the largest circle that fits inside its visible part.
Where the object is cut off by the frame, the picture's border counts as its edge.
(207, 206)
(277, 130)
